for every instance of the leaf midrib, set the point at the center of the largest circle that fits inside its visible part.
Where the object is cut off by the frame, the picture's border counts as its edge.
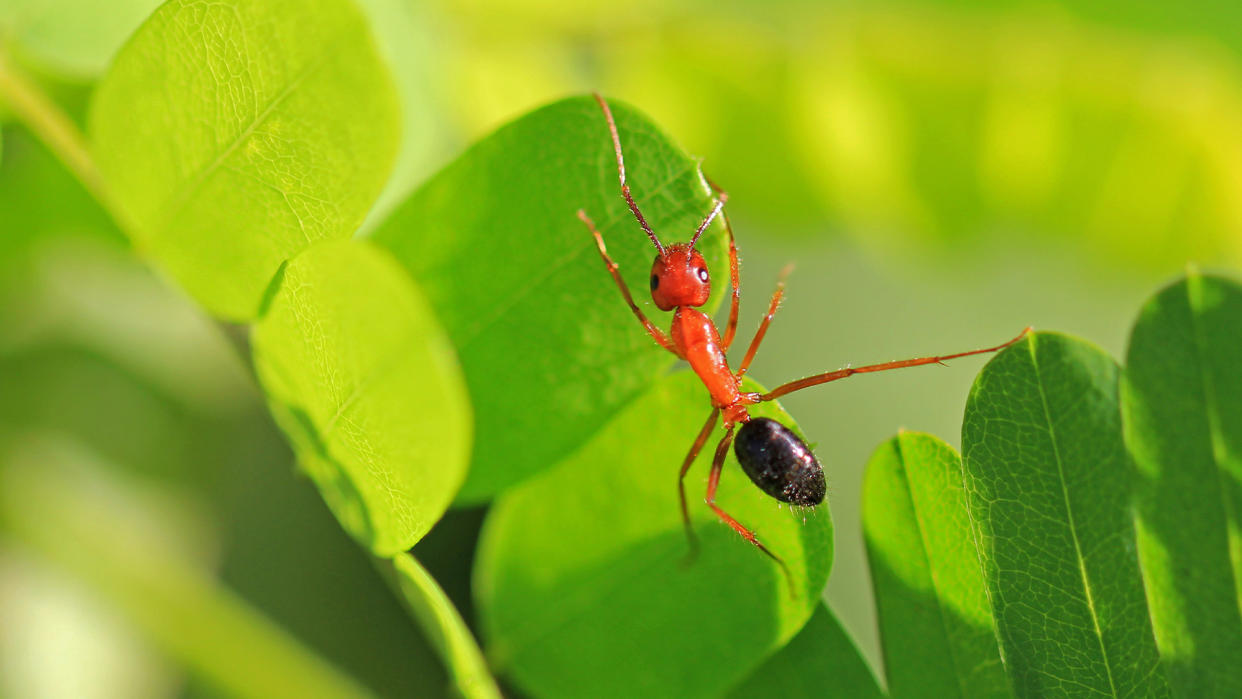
(1069, 512)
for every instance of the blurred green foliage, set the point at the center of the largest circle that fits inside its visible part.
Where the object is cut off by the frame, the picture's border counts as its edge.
(943, 173)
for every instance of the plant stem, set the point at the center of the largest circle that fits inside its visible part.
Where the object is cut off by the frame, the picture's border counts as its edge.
(58, 132)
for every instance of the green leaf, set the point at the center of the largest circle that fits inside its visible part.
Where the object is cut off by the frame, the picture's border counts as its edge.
(363, 381)
(234, 134)
(580, 573)
(821, 661)
(936, 624)
(75, 38)
(550, 349)
(132, 545)
(1048, 484)
(1182, 402)
(440, 620)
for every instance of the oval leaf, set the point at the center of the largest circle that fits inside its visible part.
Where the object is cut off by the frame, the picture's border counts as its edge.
(550, 349)
(1182, 401)
(581, 574)
(362, 379)
(1048, 483)
(936, 624)
(236, 133)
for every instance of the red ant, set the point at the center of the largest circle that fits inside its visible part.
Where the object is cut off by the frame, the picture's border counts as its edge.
(774, 458)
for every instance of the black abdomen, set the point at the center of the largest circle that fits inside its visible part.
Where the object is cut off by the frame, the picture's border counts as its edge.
(780, 463)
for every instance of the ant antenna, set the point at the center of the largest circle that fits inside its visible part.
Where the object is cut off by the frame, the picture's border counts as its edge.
(625, 188)
(711, 216)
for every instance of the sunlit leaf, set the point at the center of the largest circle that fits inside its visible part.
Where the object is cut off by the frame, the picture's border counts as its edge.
(936, 622)
(549, 348)
(361, 378)
(1182, 400)
(1048, 483)
(821, 660)
(234, 134)
(581, 578)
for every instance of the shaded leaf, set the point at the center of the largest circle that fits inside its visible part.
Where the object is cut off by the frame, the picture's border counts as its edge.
(580, 574)
(1182, 402)
(936, 624)
(821, 660)
(549, 347)
(439, 619)
(1048, 484)
(361, 378)
(234, 134)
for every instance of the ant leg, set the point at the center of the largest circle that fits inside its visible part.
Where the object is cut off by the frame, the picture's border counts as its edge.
(767, 320)
(656, 333)
(714, 480)
(818, 379)
(625, 188)
(681, 480)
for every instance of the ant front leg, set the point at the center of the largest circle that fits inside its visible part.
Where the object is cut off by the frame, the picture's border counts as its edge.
(656, 333)
(712, 482)
(681, 481)
(767, 320)
(818, 379)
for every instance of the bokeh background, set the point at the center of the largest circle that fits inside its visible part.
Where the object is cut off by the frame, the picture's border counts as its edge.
(942, 174)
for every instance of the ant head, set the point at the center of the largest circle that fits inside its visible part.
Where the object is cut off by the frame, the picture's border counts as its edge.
(679, 278)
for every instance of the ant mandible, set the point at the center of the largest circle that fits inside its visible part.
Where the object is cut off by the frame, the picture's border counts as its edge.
(774, 458)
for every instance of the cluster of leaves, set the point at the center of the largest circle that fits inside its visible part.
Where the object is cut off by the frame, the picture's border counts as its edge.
(1085, 541)
(471, 348)
(243, 167)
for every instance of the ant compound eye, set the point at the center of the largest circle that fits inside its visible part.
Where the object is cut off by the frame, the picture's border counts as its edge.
(655, 282)
(703, 274)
